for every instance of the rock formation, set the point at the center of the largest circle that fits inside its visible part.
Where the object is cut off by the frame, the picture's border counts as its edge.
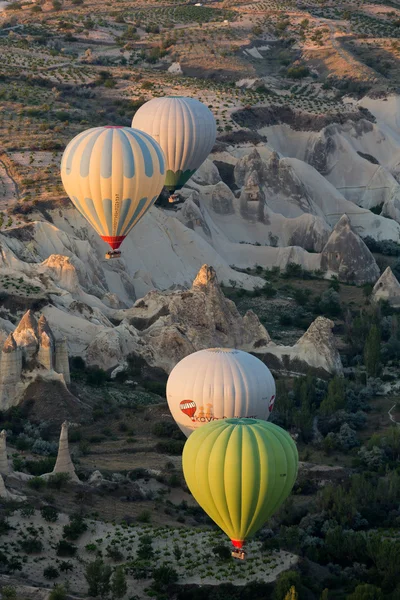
(10, 372)
(164, 327)
(387, 288)
(7, 495)
(315, 351)
(30, 350)
(346, 255)
(64, 463)
(4, 466)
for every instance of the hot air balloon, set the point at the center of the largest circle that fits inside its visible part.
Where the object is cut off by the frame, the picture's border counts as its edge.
(185, 129)
(113, 175)
(221, 383)
(240, 471)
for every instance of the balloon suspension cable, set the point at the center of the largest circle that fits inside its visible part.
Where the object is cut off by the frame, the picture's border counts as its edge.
(112, 254)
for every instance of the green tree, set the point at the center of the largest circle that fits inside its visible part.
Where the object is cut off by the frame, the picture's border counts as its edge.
(335, 397)
(366, 592)
(58, 592)
(9, 593)
(372, 349)
(118, 583)
(284, 583)
(145, 549)
(98, 575)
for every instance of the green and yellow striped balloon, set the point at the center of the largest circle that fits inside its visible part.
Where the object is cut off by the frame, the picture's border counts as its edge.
(240, 471)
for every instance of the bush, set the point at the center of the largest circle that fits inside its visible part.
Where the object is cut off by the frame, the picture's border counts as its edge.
(59, 592)
(222, 552)
(173, 447)
(58, 480)
(163, 577)
(31, 545)
(37, 483)
(50, 573)
(39, 467)
(96, 376)
(75, 528)
(64, 548)
(166, 429)
(49, 513)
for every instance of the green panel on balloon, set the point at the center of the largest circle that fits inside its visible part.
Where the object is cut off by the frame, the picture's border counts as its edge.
(240, 471)
(175, 180)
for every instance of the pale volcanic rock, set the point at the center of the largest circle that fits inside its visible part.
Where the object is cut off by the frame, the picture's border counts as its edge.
(387, 288)
(346, 255)
(26, 335)
(7, 495)
(10, 372)
(64, 463)
(31, 351)
(223, 199)
(62, 271)
(315, 351)
(4, 465)
(206, 174)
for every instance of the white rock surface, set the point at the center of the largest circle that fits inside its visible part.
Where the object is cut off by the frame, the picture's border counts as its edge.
(64, 463)
(387, 288)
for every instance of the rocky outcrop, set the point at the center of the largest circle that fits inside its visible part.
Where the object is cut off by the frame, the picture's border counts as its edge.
(164, 327)
(64, 463)
(30, 351)
(314, 352)
(7, 495)
(4, 466)
(10, 372)
(387, 288)
(346, 255)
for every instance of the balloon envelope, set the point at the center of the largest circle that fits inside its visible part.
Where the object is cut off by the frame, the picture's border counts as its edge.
(113, 175)
(218, 383)
(240, 471)
(185, 129)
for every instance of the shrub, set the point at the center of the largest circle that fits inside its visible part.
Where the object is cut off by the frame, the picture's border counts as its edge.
(163, 577)
(64, 548)
(50, 573)
(222, 552)
(59, 592)
(173, 447)
(31, 545)
(49, 513)
(96, 376)
(58, 480)
(37, 483)
(75, 528)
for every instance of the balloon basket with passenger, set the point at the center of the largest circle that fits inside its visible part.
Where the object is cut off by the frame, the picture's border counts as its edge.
(237, 550)
(112, 254)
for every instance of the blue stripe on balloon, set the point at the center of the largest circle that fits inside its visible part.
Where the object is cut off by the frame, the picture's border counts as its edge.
(160, 156)
(127, 154)
(75, 144)
(90, 208)
(126, 204)
(141, 205)
(107, 155)
(107, 207)
(78, 205)
(148, 161)
(87, 153)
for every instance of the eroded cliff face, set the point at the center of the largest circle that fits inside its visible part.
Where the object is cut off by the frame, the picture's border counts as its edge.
(29, 353)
